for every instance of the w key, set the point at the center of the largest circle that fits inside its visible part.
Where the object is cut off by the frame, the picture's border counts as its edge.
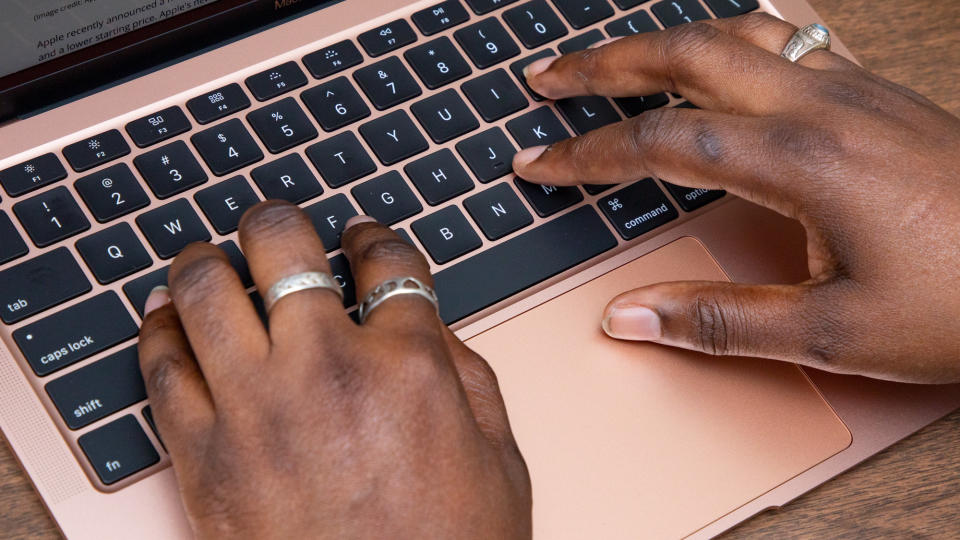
(51, 216)
(171, 227)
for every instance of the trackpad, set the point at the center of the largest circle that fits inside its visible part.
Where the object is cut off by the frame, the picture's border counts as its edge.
(632, 439)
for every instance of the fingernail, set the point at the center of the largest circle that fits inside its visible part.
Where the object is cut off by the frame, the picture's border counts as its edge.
(636, 323)
(159, 297)
(603, 42)
(356, 220)
(528, 155)
(539, 66)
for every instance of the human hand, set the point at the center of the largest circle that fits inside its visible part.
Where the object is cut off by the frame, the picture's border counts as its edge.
(871, 170)
(320, 428)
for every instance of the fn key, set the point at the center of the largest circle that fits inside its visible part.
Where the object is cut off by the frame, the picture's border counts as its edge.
(118, 449)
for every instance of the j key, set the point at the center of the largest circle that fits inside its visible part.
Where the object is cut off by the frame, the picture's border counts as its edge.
(692, 198)
(494, 95)
(498, 211)
(340, 270)
(51, 216)
(535, 23)
(158, 126)
(437, 62)
(341, 159)
(96, 150)
(533, 256)
(487, 42)
(387, 83)
(171, 227)
(486, 6)
(170, 169)
(634, 106)
(732, 8)
(328, 217)
(446, 234)
(580, 42)
(113, 253)
(138, 289)
(218, 103)
(335, 104)
(393, 137)
(637, 208)
(548, 200)
(40, 283)
(237, 261)
(282, 125)
(118, 449)
(76, 333)
(445, 116)
(517, 69)
(537, 127)
(276, 81)
(333, 59)
(439, 177)
(674, 12)
(637, 22)
(387, 198)
(287, 178)
(580, 13)
(98, 390)
(225, 202)
(11, 245)
(112, 192)
(440, 17)
(587, 113)
(489, 154)
(33, 174)
(227, 147)
(388, 37)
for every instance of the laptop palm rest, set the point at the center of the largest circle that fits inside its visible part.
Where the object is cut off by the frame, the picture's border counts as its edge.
(627, 440)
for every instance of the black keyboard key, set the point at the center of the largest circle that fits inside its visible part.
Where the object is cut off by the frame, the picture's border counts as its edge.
(158, 126)
(139, 289)
(581, 13)
(637, 208)
(282, 125)
(30, 175)
(692, 198)
(393, 137)
(581, 42)
(627, 4)
(518, 66)
(637, 22)
(439, 177)
(633, 106)
(486, 6)
(171, 227)
(489, 154)
(335, 104)
(341, 159)
(287, 178)
(118, 449)
(40, 283)
(148, 416)
(498, 211)
(340, 270)
(675, 12)
(587, 113)
(535, 23)
(445, 116)
(238, 262)
(170, 169)
(11, 244)
(113, 253)
(438, 18)
(521, 262)
(388, 37)
(487, 42)
(333, 59)
(537, 127)
(227, 147)
(225, 202)
(218, 103)
(112, 192)
(732, 8)
(446, 234)
(387, 83)
(273, 82)
(594, 189)
(51, 216)
(328, 217)
(98, 390)
(76, 333)
(96, 150)
(494, 95)
(438, 62)
(548, 200)
(387, 198)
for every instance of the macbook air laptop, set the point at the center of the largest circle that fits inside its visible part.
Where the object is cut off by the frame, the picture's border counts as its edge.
(133, 128)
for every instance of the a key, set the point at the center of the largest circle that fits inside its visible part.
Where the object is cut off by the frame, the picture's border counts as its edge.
(637, 22)
(171, 227)
(732, 8)
(335, 104)
(393, 137)
(112, 192)
(40, 283)
(581, 13)
(438, 18)
(586, 113)
(12, 245)
(537, 127)
(113, 253)
(674, 12)
(275, 81)
(486, 6)
(30, 175)
(333, 59)
(489, 154)
(692, 198)
(170, 169)
(341, 159)
(76, 333)
(517, 69)
(637, 208)
(96, 150)
(118, 449)
(218, 103)
(340, 270)
(437, 62)
(227, 147)
(225, 202)
(498, 211)
(387, 198)
(487, 42)
(328, 217)
(287, 178)
(238, 261)
(158, 126)
(138, 290)
(581, 42)
(494, 95)
(633, 106)
(51, 216)
(535, 23)
(387, 83)
(282, 125)
(439, 177)
(445, 116)
(548, 200)
(446, 234)
(98, 390)
(388, 37)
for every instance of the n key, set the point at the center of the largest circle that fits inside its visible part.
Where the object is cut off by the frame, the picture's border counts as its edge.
(171, 227)
(51, 216)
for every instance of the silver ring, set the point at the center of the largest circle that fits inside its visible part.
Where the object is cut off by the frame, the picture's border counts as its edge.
(396, 287)
(810, 38)
(300, 282)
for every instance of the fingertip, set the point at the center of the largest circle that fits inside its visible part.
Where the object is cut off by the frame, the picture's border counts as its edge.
(356, 220)
(603, 42)
(539, 66)
(527, 156)
(158, 297)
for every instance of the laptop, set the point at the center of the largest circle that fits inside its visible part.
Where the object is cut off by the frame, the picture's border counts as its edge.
(132, 129)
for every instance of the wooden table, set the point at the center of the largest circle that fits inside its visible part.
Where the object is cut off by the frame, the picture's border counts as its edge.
(911, 489)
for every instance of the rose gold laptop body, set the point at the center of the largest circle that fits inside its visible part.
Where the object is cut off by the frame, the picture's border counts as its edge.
(623, 440)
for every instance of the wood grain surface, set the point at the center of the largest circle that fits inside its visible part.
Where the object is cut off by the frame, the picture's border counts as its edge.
(910, 490)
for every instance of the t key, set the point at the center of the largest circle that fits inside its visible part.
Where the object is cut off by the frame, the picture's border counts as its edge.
(341, 159)
(51, 216)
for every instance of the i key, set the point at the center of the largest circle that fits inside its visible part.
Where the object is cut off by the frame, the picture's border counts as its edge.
(535, 23)
(335, 104)
(227, 147)
(488, 154)
(487, 42)
(393, 137)
(387, 83)
(445, 116)
(170, 169)
(51, 216)
(282, 125)
(112, 192)
(494, 95)
(437, 62)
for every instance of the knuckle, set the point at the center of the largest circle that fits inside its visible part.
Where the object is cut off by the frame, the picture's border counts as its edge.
(390, 250)
(756, 21)
(720, 324)
(162, 371)
(645, 132)
(270, 218)
(826, 333)
(193, 281)
(848, 92)
(804, 143)
(687, 41)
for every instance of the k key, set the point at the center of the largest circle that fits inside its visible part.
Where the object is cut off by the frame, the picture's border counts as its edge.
(51, 216)
(171, 227)
(537, 127)
(227, 147)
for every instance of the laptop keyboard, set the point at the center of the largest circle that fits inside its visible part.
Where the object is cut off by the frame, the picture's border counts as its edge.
(328, 133)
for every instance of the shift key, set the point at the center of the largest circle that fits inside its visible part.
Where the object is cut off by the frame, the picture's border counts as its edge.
(40, 283)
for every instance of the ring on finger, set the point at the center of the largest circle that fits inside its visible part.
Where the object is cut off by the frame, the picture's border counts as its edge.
(300, 282)
(396, 287)
(811, 37)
